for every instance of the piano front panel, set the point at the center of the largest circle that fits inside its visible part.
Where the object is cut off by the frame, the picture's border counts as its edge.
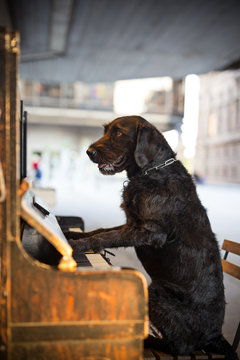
(66, 315)
(41, 293)
(124, 349)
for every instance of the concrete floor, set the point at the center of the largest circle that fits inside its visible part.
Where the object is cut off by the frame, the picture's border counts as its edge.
(97, 198)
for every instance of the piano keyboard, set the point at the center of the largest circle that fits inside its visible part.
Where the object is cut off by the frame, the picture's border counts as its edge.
(92, 260)
(89, 259)
(40, 248)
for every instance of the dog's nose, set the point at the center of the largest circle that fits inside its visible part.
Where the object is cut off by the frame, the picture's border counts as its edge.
(91, 152)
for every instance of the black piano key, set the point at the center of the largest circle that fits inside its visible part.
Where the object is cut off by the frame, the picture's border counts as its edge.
(83, 261)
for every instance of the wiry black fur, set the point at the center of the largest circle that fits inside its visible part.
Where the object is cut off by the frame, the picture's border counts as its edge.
(171, 233)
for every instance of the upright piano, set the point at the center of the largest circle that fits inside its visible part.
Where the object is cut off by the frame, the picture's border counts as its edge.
(58, 311)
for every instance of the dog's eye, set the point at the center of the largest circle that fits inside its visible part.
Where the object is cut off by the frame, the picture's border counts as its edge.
(118, 133)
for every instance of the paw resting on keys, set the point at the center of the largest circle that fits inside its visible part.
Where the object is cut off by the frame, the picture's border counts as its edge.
(80, 245)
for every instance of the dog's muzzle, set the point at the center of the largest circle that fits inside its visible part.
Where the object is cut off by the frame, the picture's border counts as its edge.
(92, 153)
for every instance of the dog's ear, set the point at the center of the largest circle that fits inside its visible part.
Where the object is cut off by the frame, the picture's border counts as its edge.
(148, 145)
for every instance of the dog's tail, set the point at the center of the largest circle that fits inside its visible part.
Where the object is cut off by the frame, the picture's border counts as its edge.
(220, 345)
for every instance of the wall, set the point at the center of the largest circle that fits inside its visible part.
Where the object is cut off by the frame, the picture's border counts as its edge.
(218, 144)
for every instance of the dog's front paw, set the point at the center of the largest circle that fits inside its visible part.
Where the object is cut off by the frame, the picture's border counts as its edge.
(79, 246)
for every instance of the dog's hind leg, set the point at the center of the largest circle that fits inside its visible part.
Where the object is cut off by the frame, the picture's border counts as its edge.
(167, 316)
(220, 345)
(156, 343)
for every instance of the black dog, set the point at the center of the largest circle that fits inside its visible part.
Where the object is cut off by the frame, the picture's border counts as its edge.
(171, 233)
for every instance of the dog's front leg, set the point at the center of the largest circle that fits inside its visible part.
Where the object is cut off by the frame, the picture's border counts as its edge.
(123, 237)
(97, 242)
(75, 235)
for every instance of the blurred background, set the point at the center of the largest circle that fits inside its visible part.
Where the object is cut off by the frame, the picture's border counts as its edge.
(176, 63)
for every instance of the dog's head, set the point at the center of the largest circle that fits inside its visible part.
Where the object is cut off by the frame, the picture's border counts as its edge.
(128, 141)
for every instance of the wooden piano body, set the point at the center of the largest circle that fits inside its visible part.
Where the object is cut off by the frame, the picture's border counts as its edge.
(55, 312)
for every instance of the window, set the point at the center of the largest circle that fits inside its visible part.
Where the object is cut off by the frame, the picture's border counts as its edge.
(212, 124)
